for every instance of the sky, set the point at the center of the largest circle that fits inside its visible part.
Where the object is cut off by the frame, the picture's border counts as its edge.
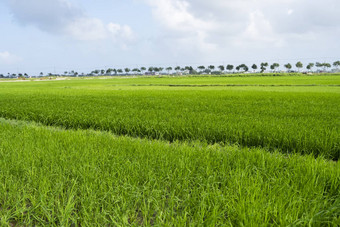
(53, 36)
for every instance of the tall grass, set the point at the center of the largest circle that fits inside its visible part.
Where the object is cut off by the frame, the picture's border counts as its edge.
(292, 119)
(55, 177)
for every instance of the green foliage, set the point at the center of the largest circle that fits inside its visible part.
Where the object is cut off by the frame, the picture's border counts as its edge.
(263, 66)
(217, 110)
(55, 177)
(230, 67)
(336, 64)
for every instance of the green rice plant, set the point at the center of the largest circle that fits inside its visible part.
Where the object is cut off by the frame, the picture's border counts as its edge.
(55, 177)
(292, 119)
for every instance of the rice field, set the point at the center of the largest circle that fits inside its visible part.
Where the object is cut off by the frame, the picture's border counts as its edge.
(293, 119)
(188, 151)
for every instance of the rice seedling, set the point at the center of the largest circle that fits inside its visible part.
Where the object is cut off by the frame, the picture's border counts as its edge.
(57, 177)
(292, 119)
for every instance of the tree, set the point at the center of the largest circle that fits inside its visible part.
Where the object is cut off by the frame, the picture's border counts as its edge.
(108, 71)
(142, 69)
(299, 65)
(230, 67)
(221, 67)
(274, 66)
(160, 69)
(119, 71)
(310, 66)
(242, 66)
(336, 64)
(150, 69)
(127, 70)
(97, 71)
(135, 70)
(201, 68)
(41, 74)
(263, 66)
(326, 65)
(254, 67)
(177, 68)
(102, 72)
(288, 66)
(168, 69)
(211, 67)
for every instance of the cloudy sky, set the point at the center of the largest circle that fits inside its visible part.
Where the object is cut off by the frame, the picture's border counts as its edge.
(83, 35)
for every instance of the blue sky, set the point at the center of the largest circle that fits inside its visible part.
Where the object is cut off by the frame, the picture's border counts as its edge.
(83, 35)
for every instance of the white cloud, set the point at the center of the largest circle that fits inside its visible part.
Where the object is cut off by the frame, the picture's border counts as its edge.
(190, 31)
(62, 18)
(259, 32)
(123, 31)
(8, 58)
(217, 27)
(85, 28)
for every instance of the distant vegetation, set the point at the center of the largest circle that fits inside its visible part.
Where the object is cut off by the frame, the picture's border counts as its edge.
(179, 70)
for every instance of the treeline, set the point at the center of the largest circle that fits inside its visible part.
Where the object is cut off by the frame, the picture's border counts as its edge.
(179, 70)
